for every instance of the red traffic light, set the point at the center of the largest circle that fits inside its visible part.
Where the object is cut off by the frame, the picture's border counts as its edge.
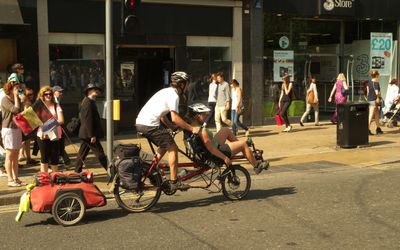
(130, 4)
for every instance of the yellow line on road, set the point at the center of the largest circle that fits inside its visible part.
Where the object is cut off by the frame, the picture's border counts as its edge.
(9, 209)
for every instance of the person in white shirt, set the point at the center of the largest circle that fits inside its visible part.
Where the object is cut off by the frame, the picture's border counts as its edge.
(312, 87)
(391, 94)
(223, 102)
(155, 111)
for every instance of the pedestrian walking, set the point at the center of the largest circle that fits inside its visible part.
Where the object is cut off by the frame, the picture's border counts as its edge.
(49, 140)
(58, 94)
(285, 101)
(90, 131)
(212, 96)
(375, 100)
(237, 108)
(223, 102)
(10, 133)
(339, 90)
(311, 101)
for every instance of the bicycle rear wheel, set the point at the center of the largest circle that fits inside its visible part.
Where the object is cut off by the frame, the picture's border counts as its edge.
(235, 182)
(142, 199)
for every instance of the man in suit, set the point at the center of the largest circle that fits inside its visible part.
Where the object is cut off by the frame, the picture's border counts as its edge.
(90, 131)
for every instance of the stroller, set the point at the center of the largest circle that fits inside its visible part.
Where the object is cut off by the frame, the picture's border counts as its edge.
(393, 113)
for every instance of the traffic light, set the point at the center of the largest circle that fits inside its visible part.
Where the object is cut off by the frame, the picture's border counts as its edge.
(131, 10)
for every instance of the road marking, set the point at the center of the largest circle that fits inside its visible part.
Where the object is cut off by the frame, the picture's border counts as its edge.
(9, 209)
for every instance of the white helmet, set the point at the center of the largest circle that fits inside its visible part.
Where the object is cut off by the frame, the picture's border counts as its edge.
(179, 77)
(198, 108)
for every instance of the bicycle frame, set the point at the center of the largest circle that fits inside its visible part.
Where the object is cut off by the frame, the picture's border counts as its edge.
(199, 169)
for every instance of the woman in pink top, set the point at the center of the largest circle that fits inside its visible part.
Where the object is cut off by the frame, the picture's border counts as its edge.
(339, 97)
(49, 142)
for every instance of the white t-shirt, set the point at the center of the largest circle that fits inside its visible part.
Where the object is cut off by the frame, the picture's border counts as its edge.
(160, 104)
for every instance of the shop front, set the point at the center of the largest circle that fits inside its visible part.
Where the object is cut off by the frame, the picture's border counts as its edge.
(323, 40)
(170, 38)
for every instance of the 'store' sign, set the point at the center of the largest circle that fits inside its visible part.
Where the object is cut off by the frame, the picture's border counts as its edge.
(336, 7)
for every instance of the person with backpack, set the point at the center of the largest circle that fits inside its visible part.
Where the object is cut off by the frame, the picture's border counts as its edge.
(90, 131)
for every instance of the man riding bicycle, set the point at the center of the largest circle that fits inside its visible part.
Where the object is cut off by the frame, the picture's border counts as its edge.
(155, 111)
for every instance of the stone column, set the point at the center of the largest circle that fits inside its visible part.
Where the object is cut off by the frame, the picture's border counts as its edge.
(253, 68)
(43, 42)
(237, 52)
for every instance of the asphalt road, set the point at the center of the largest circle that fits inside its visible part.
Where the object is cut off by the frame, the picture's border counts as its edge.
(327, 207)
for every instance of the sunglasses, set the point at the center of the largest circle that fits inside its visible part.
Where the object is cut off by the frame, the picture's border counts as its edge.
(48, 94)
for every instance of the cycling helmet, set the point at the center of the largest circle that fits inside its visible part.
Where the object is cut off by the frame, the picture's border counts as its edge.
(179, 77)
(198, 108)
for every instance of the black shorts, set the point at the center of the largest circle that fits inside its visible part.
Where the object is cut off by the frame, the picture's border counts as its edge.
(226, 150)
(160, 136)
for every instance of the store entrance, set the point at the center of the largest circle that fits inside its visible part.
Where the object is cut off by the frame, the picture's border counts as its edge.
(325, 68)
(143, 72)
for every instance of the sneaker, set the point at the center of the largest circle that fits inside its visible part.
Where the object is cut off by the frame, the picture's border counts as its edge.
(379, 131)
(301, 124)
(369, 132)
(178, 186)
(264, 165)
(13, 184)
(286, 129)
(247, 133)
(289, 128)
(21, 183)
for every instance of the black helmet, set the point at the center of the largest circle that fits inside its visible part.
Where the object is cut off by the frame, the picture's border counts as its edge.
(179, 77)
(198, 108)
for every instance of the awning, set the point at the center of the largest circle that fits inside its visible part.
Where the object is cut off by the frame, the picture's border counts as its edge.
(10, 12)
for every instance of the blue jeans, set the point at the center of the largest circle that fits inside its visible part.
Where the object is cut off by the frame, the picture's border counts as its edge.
(236, 122)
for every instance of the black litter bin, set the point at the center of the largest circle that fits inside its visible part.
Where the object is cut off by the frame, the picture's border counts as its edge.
(352, 124)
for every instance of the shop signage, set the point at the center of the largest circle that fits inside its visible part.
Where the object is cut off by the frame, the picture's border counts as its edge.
(284, 42)
(283, 64)
(381, 50)
(336, 7)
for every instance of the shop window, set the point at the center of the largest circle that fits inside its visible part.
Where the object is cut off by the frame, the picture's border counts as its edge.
(73, 67)
(201, 63)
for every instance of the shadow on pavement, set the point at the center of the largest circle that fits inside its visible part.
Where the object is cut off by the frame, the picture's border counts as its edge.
(253, 195)
(379, 143)
(91, 216)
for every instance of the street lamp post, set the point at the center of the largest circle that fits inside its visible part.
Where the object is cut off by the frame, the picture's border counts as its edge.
(109, 79)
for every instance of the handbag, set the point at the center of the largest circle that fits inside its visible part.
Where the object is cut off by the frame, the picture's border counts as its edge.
(311, 98)
(278, 119)
(73, 126)
(240, 110)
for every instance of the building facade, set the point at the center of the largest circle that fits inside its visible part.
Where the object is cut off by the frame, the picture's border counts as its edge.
(62, 42)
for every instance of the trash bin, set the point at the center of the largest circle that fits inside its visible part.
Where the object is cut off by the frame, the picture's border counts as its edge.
(352, 124)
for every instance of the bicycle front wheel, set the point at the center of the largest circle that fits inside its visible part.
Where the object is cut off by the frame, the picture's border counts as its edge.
(235, 182)
(142, 199)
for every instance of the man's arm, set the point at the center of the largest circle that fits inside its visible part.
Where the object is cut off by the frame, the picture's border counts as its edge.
(164, 119)
(182, 124)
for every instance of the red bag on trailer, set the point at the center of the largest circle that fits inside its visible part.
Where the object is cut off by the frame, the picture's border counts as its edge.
(50, 186)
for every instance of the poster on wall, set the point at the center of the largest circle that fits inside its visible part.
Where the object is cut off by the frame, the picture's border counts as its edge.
(127, 74)
(381, 52)
(283, 64)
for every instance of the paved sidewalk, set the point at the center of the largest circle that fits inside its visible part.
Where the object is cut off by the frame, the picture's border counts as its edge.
(304, 147)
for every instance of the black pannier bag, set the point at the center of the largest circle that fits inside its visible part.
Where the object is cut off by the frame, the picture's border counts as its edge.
(129, 172)
(123, 151)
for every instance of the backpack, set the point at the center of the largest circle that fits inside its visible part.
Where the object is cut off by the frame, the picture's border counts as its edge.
(123, 151)
(129, 171)
(128, 165)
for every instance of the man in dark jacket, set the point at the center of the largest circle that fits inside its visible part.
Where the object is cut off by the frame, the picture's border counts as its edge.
(90, 131)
